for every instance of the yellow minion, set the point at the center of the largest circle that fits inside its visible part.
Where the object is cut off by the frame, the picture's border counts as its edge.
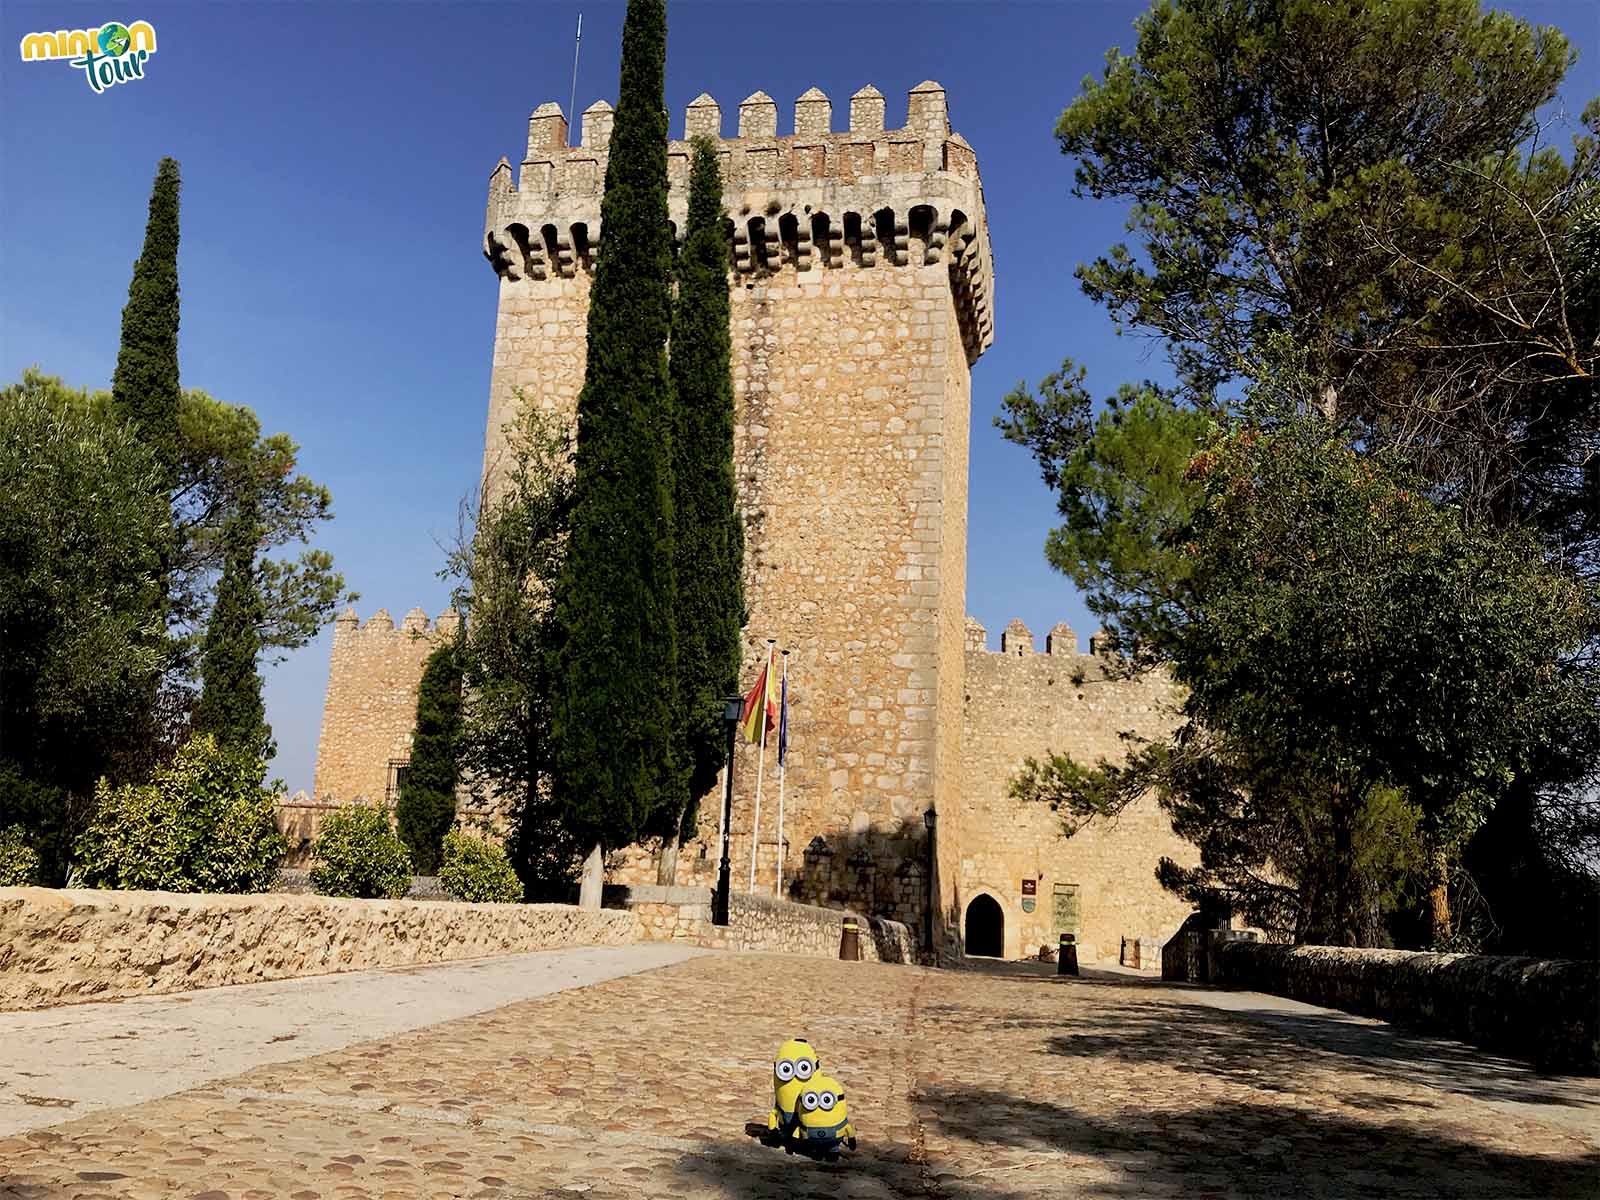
(823, 1120)
(794, 1067)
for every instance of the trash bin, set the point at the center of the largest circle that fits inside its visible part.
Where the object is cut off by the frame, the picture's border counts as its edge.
(850, 941)
(1067, 957)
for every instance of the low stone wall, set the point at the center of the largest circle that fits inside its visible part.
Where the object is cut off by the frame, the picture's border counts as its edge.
(760, 923)
(1189, 956)
(294, 881)
(61, 946)
(1547, 1010)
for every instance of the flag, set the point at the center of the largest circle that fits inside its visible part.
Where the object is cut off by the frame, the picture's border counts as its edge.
(760, 697)
(783, 714)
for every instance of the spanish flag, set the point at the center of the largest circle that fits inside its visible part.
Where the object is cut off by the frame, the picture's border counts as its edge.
(760, 697)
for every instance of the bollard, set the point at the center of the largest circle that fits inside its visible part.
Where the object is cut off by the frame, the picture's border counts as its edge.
(1067, 957)
(850, 941)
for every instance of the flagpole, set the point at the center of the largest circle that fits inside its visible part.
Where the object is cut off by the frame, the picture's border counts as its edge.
(761, 762)
(722, 827)
(783, 717)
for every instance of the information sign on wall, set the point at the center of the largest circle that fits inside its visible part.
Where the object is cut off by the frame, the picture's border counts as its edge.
(1066, 908)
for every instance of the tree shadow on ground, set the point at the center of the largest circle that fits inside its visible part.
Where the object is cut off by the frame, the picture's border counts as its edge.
(1252, 1039)
(1235, 1149)
(748, 1171)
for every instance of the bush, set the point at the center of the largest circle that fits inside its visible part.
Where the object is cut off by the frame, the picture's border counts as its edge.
(204, 823)
(40, 814)
(19, 865)
(357, 854)
(479, 871)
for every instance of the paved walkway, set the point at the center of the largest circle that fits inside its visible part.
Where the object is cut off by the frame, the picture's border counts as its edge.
(61, 1063)
(1000, 1085)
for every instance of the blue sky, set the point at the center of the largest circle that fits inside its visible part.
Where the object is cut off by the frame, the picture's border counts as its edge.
(335, 162)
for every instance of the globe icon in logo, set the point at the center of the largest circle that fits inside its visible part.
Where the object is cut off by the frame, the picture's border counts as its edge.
(114, 39)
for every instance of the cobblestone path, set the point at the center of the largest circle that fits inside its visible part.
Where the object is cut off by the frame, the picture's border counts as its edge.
(962, 1085)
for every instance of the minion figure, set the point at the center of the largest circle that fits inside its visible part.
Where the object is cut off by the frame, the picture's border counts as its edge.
(794, 1067)
(823, 1121)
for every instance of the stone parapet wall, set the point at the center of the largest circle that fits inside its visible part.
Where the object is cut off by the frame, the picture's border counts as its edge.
(64, 946)
(761, 923)
(1547, 1010)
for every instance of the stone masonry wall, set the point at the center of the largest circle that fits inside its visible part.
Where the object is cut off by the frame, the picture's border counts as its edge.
(1021, 703)
(860, 296)
(371, 704)
(680, 914)
(949, 788)
(59, 946)
(860, 285)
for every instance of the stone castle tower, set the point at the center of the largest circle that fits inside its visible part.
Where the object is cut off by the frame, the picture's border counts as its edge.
(861, 297)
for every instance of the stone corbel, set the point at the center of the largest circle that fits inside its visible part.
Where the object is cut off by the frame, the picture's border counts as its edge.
(899, 252)
(869, 243)
(833, 248)
(502, 253)
(802, 248)
(772, 245)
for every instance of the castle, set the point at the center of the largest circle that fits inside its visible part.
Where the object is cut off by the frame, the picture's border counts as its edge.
(862, 286)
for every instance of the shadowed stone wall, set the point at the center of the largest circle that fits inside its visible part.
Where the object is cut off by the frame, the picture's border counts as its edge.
(1547, 1010)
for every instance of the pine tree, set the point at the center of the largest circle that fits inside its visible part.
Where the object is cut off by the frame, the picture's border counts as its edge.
(427, 805)
(230, 700)
(708, 536)
(614, 719)
(144, 387)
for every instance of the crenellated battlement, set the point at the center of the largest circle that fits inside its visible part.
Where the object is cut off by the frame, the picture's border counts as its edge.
(1016, 641)
(812, 200)
(348, 625)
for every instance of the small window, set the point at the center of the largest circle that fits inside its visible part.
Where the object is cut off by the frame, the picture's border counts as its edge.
(397, 780)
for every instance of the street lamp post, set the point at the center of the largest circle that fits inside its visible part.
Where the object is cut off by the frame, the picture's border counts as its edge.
(928, 819)
(730, 718)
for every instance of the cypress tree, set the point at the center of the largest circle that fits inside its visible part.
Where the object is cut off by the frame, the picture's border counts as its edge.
(230, 699)
(614, 713)
(144, 386)
(708, 538)
(145, 395)
(427, 805)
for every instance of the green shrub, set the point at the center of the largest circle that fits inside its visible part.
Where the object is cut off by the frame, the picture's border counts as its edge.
(357, 854)
(19, 865)
(204, 823)
(479, 871)
(40, 813)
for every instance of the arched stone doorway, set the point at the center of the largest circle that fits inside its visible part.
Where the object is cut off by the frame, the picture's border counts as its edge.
(985, 928)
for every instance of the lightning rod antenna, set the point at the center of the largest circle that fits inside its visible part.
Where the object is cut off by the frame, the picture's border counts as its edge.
(572, 104)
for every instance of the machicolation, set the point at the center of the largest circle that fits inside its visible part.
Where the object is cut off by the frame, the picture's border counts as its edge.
(813, 200)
